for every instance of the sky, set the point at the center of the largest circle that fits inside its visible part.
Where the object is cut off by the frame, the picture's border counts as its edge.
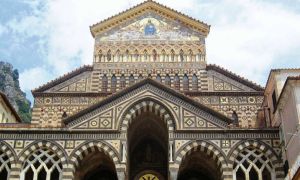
(45, 39)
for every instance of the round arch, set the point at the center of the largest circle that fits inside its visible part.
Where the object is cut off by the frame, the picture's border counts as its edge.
(261, 146)
(78, 154)
(206, 147)
(147, 104)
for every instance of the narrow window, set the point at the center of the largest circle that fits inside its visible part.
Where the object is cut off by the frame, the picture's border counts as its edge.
(177, 82)
(131, 79)
(113, 83)
(181, 55)
(118, 55)
(172, 55)
(274, 101)
(122, 81)
(163, 53)
(136, 55)
(158, 78)
(104, 83)
(108, 55)
(145, 55)
(191, 55)
(140, 77)
(185, 83)
(194, 83)
(100, 55)
(168, 80)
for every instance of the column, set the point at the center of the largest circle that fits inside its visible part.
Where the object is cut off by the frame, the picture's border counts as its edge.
(124, 152)
(171, 151)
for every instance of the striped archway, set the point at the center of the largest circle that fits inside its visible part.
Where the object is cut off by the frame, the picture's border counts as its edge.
(209, 149)
(86, 148)
(147, 105)
(7, 158)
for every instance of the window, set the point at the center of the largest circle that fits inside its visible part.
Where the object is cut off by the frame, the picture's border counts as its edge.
(118, 55)
(131, 79)
(140, 77)
(113, 83)
(194, 83)
(181, 55)
(177, 82)
(122, 81)
(252, 164)
(235, 118)
(191, 55)
(145, 55)
(108, 55)
(185, 82)
(172, 55)
(163, 53)
(158, 78)
(154, 55)
(168, 80)
(136, 55)
(100, 55)
(127, 55)
(104, 83)
(43, 164)
(150, 28)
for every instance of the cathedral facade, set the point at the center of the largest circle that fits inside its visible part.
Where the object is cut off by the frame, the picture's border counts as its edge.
(149, 107)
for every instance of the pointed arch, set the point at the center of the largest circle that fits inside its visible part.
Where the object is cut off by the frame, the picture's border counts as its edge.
(185, 82)
(100, 55)
(145, 55)
(163, 54)
(181, 55)
(168, 80)
(122, 81)
(7, 158)
(113, 86)
(108, 56)
(257, 155)
(158, 78)
(118, 56)
(104, 83)
(176, 82)
(172, 55)
(154, 54)
(131, 80)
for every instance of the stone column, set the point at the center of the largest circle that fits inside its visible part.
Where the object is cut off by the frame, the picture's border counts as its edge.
(171, 151)
(123, 151)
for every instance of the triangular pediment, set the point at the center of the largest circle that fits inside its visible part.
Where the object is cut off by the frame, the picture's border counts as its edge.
(149, 9)
(186, 113)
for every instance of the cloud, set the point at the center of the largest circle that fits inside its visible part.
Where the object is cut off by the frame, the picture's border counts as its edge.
(247, 37)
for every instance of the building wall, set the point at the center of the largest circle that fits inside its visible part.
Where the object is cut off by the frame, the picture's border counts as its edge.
(6, 115)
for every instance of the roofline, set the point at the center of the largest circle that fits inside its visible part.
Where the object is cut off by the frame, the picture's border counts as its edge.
(289, 78)
(10, 106)
(62, 79)
(235, 77)
(151, 2)
(277, 70)
(138, 84)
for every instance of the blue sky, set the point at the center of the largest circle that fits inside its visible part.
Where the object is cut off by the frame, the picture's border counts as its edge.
(47, 38)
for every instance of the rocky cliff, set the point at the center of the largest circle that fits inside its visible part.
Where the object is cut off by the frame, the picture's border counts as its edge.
(9, 85)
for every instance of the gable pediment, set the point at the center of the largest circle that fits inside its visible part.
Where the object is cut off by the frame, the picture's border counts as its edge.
(150, 26)
(109, 114)
(147, 8)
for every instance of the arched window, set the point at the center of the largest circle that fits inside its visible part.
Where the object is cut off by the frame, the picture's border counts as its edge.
(194, 83)
(181, 55)
(172, 55)
(122, 81)
(176, 82)
(136, 55)
(158, 78)
(100, 55)
(154, 55)
(104, 83)
(118, 55)
(191, 55)
(168, 80)
(43, 164)
(108, 55)
(64, 115)
(5, 166)
(145, 55)
(163, 54)
(185, 82)
(252, 164)
(199, 55)
(140, 77)
(113, 83)
(127, 55)
(235, 118)
(131, 79)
